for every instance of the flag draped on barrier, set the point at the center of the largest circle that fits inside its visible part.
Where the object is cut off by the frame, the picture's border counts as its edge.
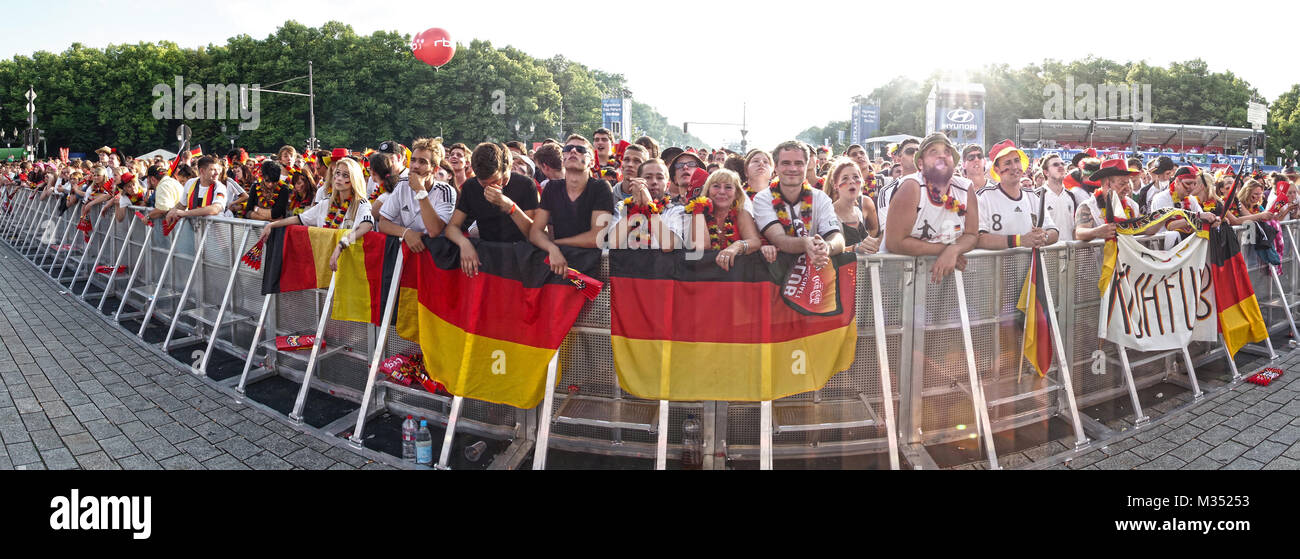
(492, 336)
(688, 330)
(365, 270)
(298, 257)
(1033, 302)
(1156, 299)
(1240, 319)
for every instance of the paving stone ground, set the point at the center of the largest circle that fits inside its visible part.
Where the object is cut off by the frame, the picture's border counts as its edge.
(77, 394)
(1244, 427)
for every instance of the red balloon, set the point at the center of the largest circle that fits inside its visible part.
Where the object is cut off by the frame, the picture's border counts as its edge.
(433, 47)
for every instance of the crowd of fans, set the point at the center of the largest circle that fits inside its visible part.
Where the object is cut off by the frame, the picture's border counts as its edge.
(928, 198)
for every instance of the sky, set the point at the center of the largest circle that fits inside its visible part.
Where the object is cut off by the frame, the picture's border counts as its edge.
(784, 65)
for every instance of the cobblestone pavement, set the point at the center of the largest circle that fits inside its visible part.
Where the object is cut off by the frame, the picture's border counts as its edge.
(1246, 427)
(106, 401)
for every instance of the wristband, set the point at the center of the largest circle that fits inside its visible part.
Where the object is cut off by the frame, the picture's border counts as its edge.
(1011, 241)
(1017, 240)
(744, 246)
(513, 207)
(421, 195)
(404, 233)
(345, 242)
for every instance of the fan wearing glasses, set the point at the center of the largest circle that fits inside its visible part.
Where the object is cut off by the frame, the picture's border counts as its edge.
(973, 168)
(576, 208)
(905, 157)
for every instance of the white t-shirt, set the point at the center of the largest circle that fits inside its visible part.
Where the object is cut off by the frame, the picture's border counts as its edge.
(1002, 215)
(823, 223)
(235, 192)
(316, 215)
(934, 223)
(1163, 199)
(1060, 209)
(403, 209)
(219, 197)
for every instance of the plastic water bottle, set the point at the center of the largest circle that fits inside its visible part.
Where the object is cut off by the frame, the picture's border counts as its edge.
(408, 439)
(692, 444)
(423, 444)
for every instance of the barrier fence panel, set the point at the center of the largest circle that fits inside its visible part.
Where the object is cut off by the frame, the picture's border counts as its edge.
(922, 325)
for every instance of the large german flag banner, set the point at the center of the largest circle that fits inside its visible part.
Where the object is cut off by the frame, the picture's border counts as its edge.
(297, 257)
(687, 330)
(1240, 319)
(492, 336)
(1033, 302)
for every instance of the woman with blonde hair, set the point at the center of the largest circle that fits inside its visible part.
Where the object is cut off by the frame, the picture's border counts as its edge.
(1251, 207)
(344, 207)
(719, 218)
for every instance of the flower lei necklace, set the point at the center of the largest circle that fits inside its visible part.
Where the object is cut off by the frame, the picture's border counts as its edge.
(265, 198)
(947, 201)
(655, 207)
(338, 212)
(805, 207)
(720, 237)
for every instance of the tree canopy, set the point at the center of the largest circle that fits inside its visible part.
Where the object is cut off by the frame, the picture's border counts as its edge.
(368, 89)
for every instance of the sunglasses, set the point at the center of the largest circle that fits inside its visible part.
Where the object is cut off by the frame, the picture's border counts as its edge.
(580, 149)
(909, 151)
(686, 165)
(975, 157)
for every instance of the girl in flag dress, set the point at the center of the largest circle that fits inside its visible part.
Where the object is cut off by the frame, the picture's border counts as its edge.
(344, 207)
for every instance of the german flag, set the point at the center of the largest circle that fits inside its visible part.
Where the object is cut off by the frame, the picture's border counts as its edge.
(1033, 302)
(365, 273)
(197, 152)
(1240, 319)
(297, 257)
(492, 336)
(687, 330)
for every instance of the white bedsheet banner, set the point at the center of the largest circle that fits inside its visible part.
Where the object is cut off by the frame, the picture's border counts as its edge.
(1159, 299)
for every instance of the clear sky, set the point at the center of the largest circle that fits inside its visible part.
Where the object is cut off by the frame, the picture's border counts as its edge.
(796, 64)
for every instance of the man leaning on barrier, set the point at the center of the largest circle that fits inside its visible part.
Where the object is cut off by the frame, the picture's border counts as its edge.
(940, 224)
(577, 208)
(419, 204)
(1012, 216)
(500, 202)
(166, 191)
(794, 216)
(205, 195)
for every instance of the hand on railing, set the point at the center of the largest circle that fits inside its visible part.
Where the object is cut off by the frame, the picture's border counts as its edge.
(869, 245)
(769, 253)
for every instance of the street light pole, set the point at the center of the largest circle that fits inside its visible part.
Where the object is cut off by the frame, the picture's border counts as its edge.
(311, 102)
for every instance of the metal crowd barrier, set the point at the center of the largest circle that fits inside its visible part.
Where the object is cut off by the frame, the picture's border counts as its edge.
(215, 305)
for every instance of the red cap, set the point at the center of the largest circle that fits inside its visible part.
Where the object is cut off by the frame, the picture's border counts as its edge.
(698, 176)
(338, 153)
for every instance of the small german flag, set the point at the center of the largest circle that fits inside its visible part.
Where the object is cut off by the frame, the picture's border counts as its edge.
(1033, 302)
(197, 152)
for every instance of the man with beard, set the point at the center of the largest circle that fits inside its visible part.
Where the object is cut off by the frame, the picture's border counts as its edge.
(794, 216)
(577, 208)
(934, 212)
(1009, 214)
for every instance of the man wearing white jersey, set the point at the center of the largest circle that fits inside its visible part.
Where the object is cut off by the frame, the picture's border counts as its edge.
(934, 213)
(1061, 203)
(1010, 215)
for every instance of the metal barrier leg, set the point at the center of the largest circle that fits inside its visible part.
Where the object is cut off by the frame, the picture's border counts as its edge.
(221, 310)
(380, 344)
(765, 436)
(661, 441)
(882, 355)
(1139, 418)
(252, 347)
(135, 269)
(40, 237)
(301, 401)
(85, 248)
(977, 388)
(452, 418)
(1277, 282)
(1232, 363)
(1191, 375)
(1067, 382)
(544, 425)
(189, 282)
(98, 254)
(157, 290)
(61, 239)
(126, 245)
